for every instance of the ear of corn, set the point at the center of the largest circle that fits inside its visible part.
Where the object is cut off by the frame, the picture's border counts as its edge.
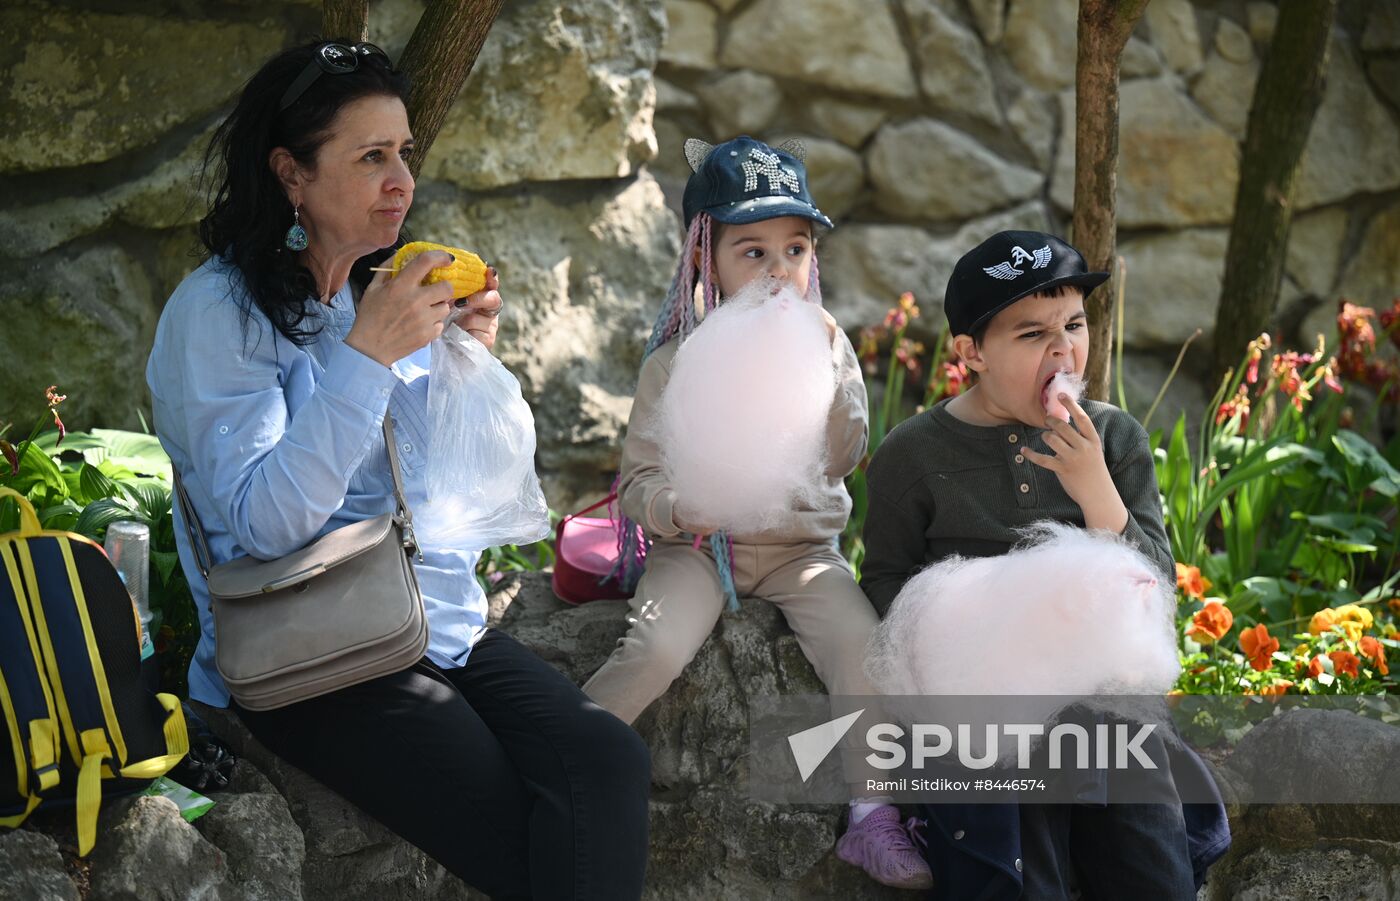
(467, 273)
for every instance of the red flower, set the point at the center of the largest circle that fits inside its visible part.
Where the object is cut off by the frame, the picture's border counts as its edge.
(1237, 404)
(1191, 582)
(1258, 646)
(54, 399)
(1345, 663)
(1210, 623)
(1373, 649)
(954, 379)
(1390, 322)
(1256, 353)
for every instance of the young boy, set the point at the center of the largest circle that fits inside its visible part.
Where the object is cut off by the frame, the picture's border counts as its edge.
(961, 478)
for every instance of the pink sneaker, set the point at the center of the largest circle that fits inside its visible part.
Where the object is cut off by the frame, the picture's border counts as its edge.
(882, 846)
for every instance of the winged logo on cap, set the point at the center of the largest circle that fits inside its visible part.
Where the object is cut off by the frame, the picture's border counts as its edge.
(1039, 259)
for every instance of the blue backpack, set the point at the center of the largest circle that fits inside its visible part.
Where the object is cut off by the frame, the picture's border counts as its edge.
(75, 715)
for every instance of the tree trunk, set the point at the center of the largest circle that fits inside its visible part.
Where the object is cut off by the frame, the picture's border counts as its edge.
(345, 19)
(437, 60)
(1286, 99)
(1104, 27)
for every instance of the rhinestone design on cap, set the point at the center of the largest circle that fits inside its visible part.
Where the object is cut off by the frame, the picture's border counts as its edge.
(768, 165)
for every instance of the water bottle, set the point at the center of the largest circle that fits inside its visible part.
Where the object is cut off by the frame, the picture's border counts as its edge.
(128, 546)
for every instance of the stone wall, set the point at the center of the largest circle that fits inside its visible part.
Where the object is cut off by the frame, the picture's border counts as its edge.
(931, 123)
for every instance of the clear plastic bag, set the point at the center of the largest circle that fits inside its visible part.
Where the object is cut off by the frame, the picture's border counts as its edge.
(482, 487)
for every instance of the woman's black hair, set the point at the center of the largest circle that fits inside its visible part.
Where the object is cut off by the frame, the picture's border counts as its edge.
(249, 213)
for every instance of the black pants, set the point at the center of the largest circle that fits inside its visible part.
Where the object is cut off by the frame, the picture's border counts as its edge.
(501, 770)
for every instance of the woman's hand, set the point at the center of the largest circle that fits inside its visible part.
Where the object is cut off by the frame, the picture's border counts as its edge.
(400, 315)
(480, 312)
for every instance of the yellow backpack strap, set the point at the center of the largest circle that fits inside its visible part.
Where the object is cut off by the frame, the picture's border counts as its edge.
(95, 751)
(28, 519)
(177, 743)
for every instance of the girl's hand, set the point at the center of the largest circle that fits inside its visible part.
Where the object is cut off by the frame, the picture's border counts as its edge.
(481, 311)
(1079, 463)
(398, 316)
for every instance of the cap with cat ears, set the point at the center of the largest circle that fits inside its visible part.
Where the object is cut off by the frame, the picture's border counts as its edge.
(696, 151)
(745, 180)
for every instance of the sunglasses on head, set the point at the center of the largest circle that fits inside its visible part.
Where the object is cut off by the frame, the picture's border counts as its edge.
(331, 59)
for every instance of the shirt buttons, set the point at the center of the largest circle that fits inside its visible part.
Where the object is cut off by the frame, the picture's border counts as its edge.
(957, 836)
(223, 430)
(386, 391)
(1020, 459)
(407, 448)
(1018, 864)
(1025, 489)
(1011, 439)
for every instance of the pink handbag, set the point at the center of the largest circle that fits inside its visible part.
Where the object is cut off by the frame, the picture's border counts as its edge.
(585, 555)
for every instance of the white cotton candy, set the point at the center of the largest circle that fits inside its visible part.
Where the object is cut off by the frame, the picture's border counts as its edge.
(1067, 383)
(1074, 613)
(1071, 614)
(742, 422)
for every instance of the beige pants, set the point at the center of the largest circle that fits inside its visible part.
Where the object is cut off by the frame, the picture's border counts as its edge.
(678, 602)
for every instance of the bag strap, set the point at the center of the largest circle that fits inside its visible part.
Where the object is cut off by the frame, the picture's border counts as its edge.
(28, 519)
(402, 514)
(604, 502)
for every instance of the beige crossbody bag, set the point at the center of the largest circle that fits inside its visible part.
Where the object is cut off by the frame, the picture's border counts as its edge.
(340, 611)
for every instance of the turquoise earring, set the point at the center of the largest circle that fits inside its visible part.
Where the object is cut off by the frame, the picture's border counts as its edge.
(296, 235)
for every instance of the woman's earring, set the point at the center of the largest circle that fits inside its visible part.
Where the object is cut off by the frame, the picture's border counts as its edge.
(296, 235)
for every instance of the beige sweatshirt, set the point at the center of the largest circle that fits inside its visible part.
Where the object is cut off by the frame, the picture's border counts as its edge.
(648, 498)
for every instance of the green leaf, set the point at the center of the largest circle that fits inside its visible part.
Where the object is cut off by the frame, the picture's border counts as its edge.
(139, 453)
(152, 497)
(164, 563)
(61, 516)
(1366, 464)
(98, 515)
(37, 468)
(95, 484)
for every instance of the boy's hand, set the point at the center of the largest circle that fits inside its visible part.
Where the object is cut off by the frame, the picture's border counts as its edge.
(1079, 463)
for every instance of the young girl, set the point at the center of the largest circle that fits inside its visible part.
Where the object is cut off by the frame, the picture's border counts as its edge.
(748, 215)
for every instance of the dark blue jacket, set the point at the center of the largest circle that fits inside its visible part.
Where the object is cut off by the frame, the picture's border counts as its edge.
(981, 863)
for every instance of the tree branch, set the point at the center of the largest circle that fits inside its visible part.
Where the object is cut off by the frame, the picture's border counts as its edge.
(1104, 28)
(345, 19)
(1286, 99)
(437, 60)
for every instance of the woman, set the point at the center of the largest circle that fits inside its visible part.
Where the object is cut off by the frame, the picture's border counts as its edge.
(270, 381)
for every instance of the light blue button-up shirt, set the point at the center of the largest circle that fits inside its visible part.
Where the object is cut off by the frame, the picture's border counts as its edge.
(278, 444)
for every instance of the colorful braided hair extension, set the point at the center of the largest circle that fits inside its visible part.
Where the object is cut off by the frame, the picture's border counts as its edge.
(677, 318)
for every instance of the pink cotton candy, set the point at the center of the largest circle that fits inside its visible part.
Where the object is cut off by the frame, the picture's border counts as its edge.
(1073, 612)
(1062, 383)
(742, 423)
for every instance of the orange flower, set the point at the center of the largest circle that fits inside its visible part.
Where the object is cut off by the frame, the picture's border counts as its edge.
(1322, 621)
(1191, 582)
(1258, 646)
(1394, 605)
(1277, 688)
(1373, 649)
(1239, 404)
(1211, 623)
(1316, 667)
(1345, 663)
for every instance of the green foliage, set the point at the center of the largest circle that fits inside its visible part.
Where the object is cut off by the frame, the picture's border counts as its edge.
(89, 480)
